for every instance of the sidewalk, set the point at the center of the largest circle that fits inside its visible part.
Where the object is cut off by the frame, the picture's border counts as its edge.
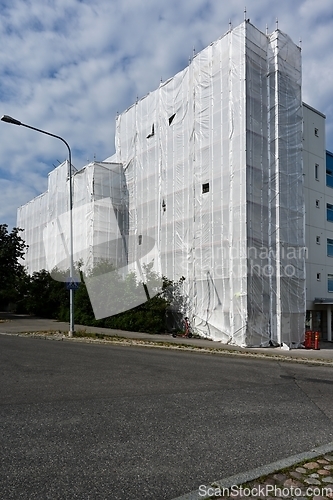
(12, 323)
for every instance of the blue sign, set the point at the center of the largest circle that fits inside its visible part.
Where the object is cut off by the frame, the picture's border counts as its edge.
(71, 284)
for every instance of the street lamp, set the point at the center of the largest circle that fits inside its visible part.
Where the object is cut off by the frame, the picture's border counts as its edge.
(9, 119)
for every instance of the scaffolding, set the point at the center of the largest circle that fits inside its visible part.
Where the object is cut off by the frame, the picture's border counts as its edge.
(213, 164)
(208, 170)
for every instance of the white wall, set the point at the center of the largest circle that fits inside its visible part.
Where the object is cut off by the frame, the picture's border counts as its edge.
(314, 152)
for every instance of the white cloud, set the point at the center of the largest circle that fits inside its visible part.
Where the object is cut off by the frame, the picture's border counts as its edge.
(18, 192)
(68, 66)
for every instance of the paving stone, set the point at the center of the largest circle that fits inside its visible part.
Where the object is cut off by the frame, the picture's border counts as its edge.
(323, 472)
(233, 495)
(258, 487)
(280, 477)
(291, 483)
(298, 475)
(328, 486)
(312, 480)
(316, 474)
(328, 479)
(311, 465)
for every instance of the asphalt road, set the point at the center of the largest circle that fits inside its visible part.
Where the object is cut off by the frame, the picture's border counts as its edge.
(87, 421)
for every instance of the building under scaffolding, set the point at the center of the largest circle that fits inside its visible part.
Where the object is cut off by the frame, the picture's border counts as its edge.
(209, 167)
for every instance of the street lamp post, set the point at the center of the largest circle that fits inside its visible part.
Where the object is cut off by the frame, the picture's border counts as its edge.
(9, 119)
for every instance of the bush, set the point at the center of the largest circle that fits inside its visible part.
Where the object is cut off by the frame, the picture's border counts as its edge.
(47, 297)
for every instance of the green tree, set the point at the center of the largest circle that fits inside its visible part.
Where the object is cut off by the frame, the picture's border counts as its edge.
(13, 277)
(45, 296)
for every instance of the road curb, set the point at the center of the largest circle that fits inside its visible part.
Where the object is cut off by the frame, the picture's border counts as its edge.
(251, 475)
(165, 344)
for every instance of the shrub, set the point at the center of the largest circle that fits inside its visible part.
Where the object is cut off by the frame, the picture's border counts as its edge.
(47, 297)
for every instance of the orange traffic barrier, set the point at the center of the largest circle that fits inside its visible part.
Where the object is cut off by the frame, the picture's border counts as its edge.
(311, 340)
(308, 339)
(316, 340)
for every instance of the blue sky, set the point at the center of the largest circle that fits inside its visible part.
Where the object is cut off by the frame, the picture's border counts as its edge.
(68, 67)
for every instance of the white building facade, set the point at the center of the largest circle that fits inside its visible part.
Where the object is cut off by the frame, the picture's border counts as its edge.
(100, 220)
(213, 162)
(318, 191)
(210, 169)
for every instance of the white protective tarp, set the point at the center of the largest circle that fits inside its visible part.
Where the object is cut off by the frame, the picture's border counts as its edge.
(100, 221)
(213, 166)
(207, 184)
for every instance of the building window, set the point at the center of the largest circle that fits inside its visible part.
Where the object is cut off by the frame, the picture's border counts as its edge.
(317, 203)
(171, 118)
(330, 282)
(318, 277)
(318, 240)
(329, 247)
(316, 171)
(152, 133)
(316, 131)
(329, 208)
(205, 188)
(329, 178)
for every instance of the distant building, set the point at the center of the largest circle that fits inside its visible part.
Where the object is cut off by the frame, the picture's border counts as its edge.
(209, 167)
(100, 216)
(318, 191)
